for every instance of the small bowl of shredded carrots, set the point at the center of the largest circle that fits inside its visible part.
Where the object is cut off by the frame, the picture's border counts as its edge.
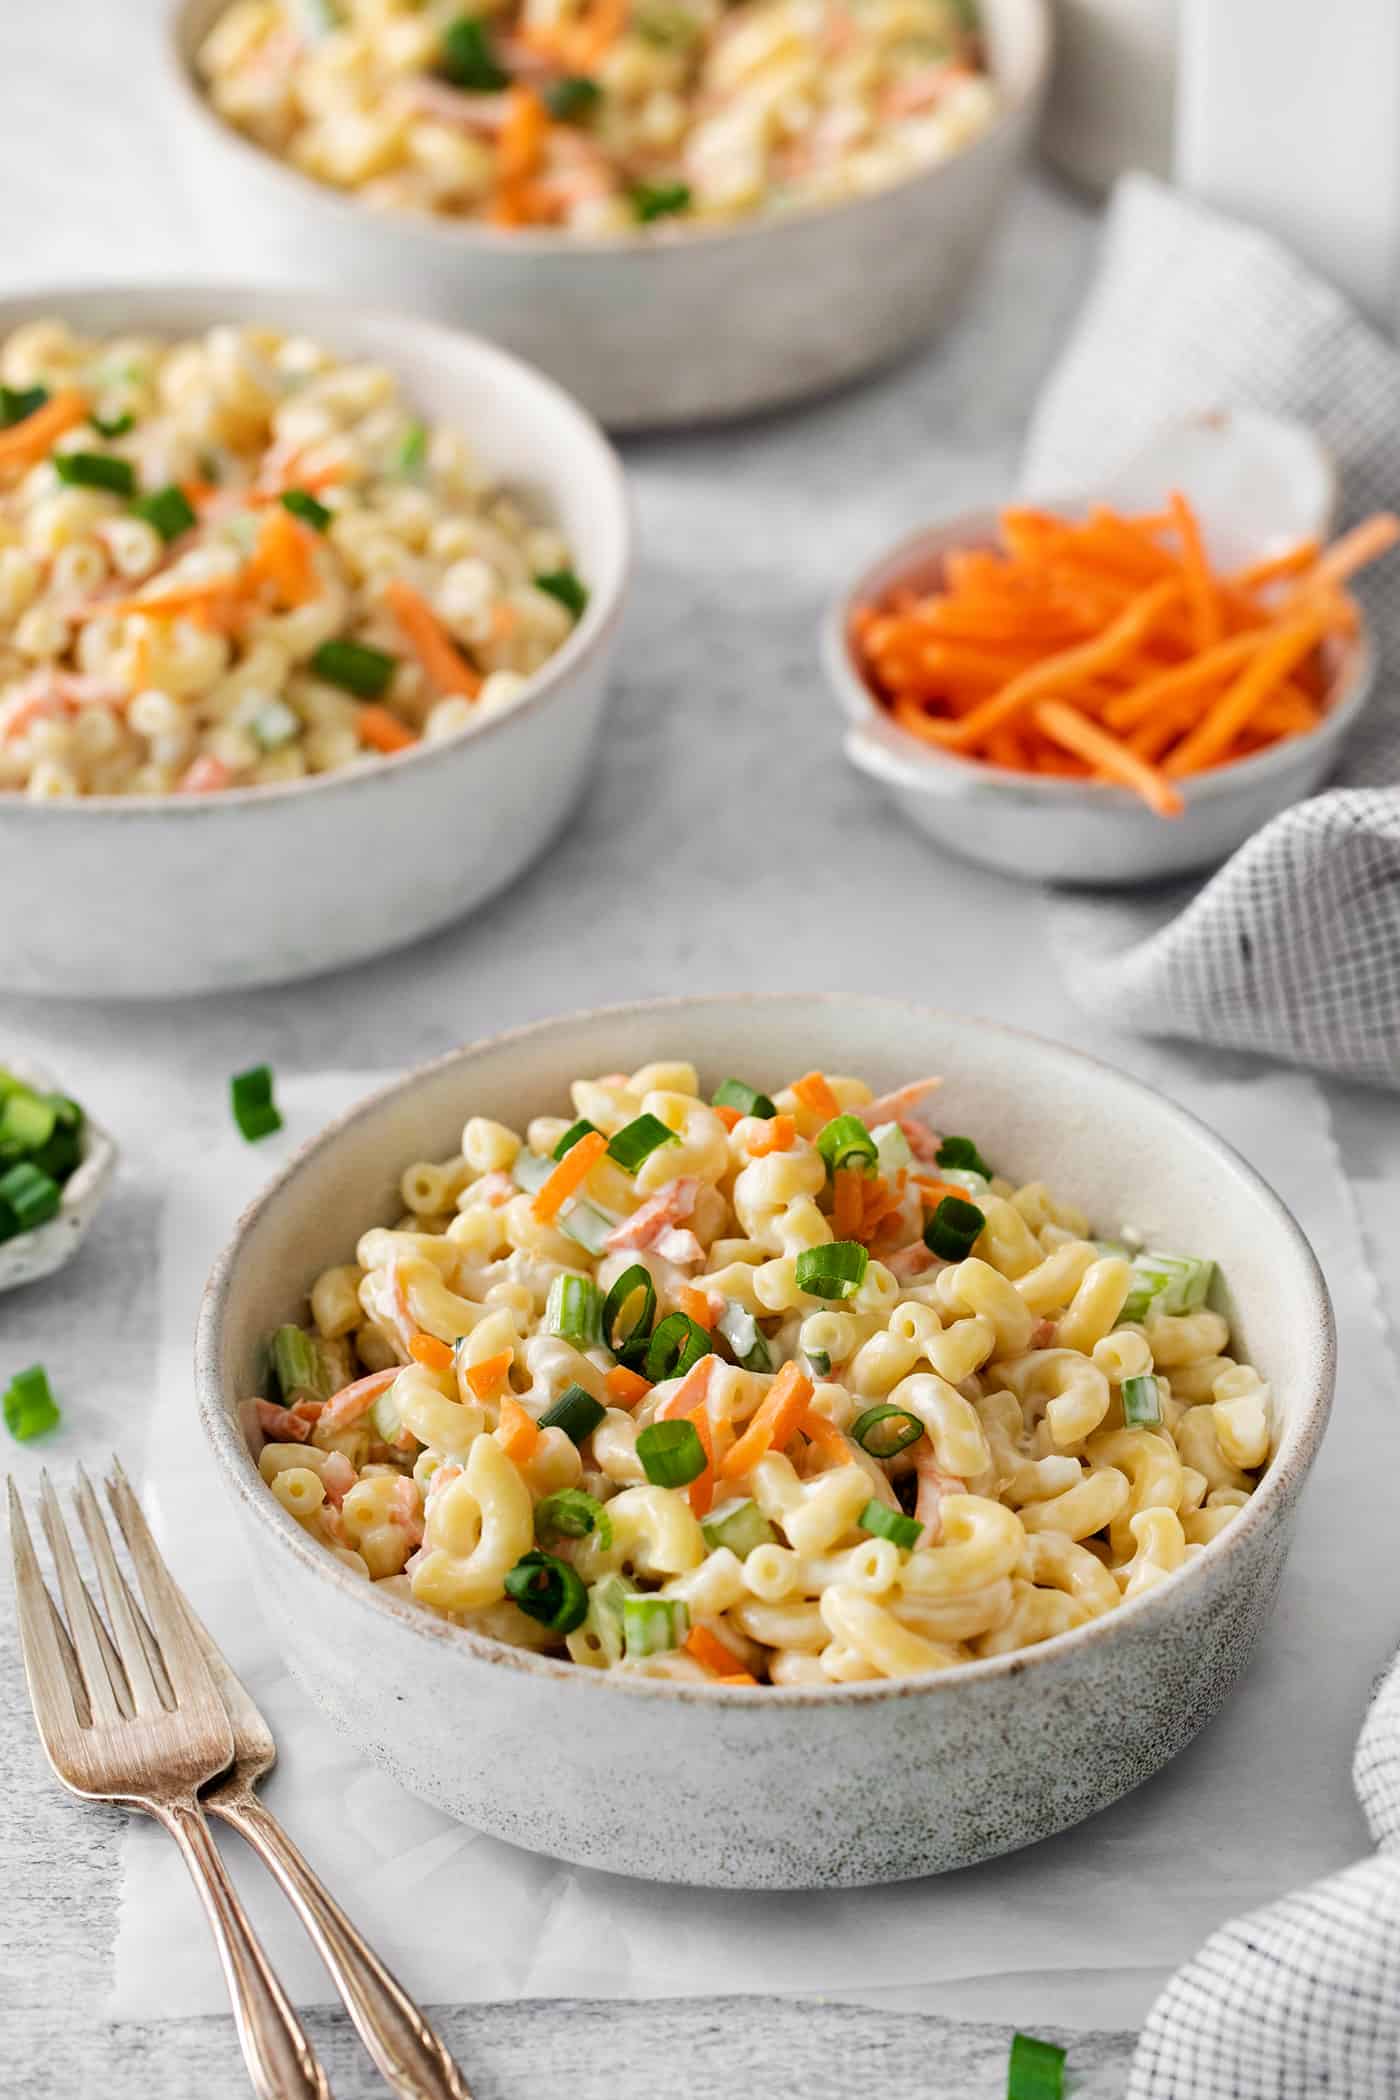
(1083, 696)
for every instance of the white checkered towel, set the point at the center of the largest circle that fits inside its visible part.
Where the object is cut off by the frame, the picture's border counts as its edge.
(1293, 947)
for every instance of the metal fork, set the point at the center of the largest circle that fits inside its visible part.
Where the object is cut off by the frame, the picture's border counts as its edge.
(109, 1736)
(411, 2057)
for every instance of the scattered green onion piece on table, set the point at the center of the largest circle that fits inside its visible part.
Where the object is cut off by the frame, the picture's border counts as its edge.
(566, 587)
(274, 724)
(95, 470)
(671, 1453)
(882, 1522)
(1036, 2070)
(29, 1405)
(354, 667)
(740, 1329)
(299, 1366)
(302, 504)
(576, 1412)
(254, 1110)
(17, 404)
(574, 1311)
(616, 1303)
(870, 1433)
(734, 1093)
(740, 1525)
(954, 1229)
(962, 1152)
(1142, 1403)
(678, 1343)
(29, 1196)
(469, 58)
(845, 1141)
(571, 99)
(820, 1361)
(836, 1270)
(652, 1625)
(572, 1135)
(168, 509)
(548, 1590)
(113, 426)
(893, 1153)
(637, 1141)
(659, 200)
(572, 1514)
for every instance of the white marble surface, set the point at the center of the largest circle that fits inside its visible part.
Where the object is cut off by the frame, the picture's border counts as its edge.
(723, 845)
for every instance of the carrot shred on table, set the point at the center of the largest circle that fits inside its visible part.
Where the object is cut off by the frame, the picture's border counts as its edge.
(776, 1420)
(488, 1376)
(427, 1350)
(569, 1176)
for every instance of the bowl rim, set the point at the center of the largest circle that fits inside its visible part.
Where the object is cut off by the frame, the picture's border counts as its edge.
(611, 490)
(924, 766)
(533, 244)
(1288, 1467)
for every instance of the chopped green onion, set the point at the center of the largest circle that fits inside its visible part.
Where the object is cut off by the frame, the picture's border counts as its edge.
(1036, 2070)
(302, 504)
(274, 724)
(254, 1110)
(469, 59)
(962, 1152)
(1167, 1283)
(548, 1590)
(29, 1196)
(975, 1185)
(29, 1405)
(566, 587)
(353, 666)
(637, 1141)
(734, 1093)
(739, 1525)
(17, 404)
(671, 1453)
(113, 426)
(652, 1625)
(659, 200)
(574, 1311)
(954, 1228)
(571, 99)
(168, 509)
(605, 1604)
(299, 1366)
(572, 1135)
(1142, 1403)
(892, 1149)
(95, 470)
(26, 1122)
(677, 1343)
(844, 1139)
(583, 1222)
(882, 1522)
(820, 1361)
(616, 1303)
(572, 1514)
(740, 1329)
(836, 1270)
(414, 449)
(530, 1171)
(576, 1412)
(904, 1429)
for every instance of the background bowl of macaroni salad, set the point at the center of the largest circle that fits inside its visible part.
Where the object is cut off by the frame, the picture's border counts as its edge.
(141, 891)
(661, 323)
(792, 1783)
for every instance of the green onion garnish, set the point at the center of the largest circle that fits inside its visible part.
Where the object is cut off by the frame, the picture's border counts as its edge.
(882, 1522)
(1036, 2070)
(1167, 1283)
(41, 1142)
(30, 1407)
(302, 504)
(572, 1514)
(299, 1366)
(671, 1453)
(576, 1412)
(962, 1152)
(733, 1093)
(820, 1361)
(572, 1135)
(739, 1525)
(95, 470)
(953, 1229)
(168, 510)
(18, 403)
(871, 1434)
(469, 59)
(652, 1625)
(26, 1122)
(836, 1270)
(571, 99)
(413, 450)
(1142, 1403)
(741, 1330)
(274, 724)
(565, 586)
(616, 1303)
(574, 1311)
(637, 1141)
(677, 1343)
(659, 200)
(353, 666)
(254, 1110)
(113, 426)
(605, 1603)
(844, 1139)
(548, 1590)
(29, 1196)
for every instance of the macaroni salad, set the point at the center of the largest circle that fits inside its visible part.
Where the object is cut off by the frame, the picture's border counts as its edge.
(600, 116)
(784, 1390)
(235, 560)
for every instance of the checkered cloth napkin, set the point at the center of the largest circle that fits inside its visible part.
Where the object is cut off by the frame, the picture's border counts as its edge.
(1293, 947)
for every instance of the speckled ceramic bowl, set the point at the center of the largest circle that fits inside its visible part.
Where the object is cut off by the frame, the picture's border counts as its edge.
(800, 1788)
(48, 1247)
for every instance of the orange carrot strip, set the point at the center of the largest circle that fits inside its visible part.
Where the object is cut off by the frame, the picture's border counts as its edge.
(1292, 642)
(1068, 727)
(776, 1421)
(691, 1391)
(487, 1376)
(570, 1174)
(711, 1653)
(1363, 544)
(426, 1349)
(381, 729)
(1189, 678)
(1274, 567)
(520, 146)
(702, 1488)
(626, 1387)
(849, 1206)
(224, 593)
(814, 1092)
(780, 1134)
(695, 1305)
(282, 557)
(517, 1433)
(727, 1115)
(933, 1191)
(822, 1430)
(34, 438)
(444, 666)
(1201, 599)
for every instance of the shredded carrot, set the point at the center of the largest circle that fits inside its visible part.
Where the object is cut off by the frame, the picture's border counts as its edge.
(1105, 752)
(727, 1115)
(933, 1192)
(222, 597)
(702, 1488)
(1274, 567)
(521, 143)
(695, 1305)
(626, 1387)
(1228, 716)
(444, 666)
(490, 1374)
(34, 437)
(822, 1430)
(712, 1654)
(814, 1092)
(282, 557)
(381, 729)
(778, 1417)
(517, 1433)
(691, 1392)
(427, 1350)
(1201, 597)
(569, 1176)
(1364, 543)
(779, 1135)
(848, 1208)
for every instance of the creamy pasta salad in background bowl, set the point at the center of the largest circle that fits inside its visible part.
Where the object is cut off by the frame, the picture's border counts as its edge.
(681, 209)
(883, 1424)
(280, 575)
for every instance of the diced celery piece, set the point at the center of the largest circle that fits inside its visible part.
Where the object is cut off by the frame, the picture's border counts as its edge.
(388, 1422)
(529, 1171)
(605, 1605)
(652, 1625)
(739, 1525)
(584, 1223)
(740, 1329)
(274, 724)
(1167, 1283)
(892, 1149)
(299, 1366)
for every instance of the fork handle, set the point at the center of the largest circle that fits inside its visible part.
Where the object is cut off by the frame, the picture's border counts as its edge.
(410, 2056)
(280, 2060)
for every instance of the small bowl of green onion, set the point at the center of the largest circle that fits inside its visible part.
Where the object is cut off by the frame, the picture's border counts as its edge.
(55, 1167)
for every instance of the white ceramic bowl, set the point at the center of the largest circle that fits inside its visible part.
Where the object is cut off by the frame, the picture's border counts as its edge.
(655, 328)
(798, 1788)
(1056, 830)
(156, 896)
(39, 1253)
